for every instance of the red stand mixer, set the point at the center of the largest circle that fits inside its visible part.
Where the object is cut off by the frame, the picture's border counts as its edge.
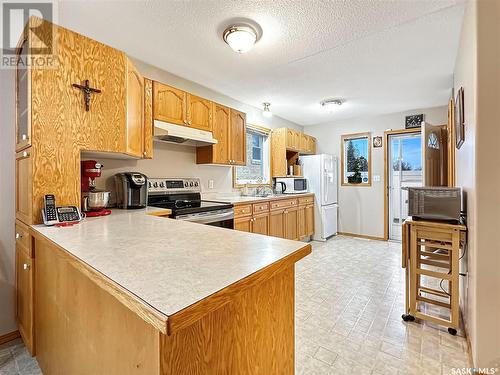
(94, 201)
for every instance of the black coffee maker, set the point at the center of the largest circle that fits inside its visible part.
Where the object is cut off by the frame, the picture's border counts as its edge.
(131, 190)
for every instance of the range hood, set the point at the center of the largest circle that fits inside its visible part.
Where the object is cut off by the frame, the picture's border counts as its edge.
(181, 135)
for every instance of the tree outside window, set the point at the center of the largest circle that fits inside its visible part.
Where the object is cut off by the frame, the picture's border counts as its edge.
(356, 153)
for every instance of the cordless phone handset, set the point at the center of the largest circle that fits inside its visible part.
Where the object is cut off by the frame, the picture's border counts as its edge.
(49, 212)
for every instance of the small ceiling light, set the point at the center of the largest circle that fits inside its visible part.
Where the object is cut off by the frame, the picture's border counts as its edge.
(266, 112)
(329, 103)
(241, 38)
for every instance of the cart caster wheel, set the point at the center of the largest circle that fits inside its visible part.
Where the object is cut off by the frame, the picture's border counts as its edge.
(452, 331)
(408, 318)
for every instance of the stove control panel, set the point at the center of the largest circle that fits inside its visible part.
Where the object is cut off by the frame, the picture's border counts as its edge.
(173, 185)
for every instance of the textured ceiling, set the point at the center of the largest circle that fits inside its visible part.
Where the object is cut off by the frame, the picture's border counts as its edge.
(381, 56)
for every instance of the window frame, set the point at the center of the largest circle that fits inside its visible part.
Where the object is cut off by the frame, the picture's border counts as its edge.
(266, 131)
(345, 138)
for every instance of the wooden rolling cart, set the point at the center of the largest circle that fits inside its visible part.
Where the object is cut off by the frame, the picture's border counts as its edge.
(432, 249)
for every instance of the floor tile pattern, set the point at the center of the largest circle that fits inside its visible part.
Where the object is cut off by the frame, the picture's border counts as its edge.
(349, 301)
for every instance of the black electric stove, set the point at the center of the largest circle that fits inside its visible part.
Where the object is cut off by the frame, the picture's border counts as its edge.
(183, 197)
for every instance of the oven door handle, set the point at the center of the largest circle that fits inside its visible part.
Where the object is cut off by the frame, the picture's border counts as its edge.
(208, 218)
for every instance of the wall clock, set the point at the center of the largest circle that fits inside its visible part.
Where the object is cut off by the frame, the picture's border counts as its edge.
(377, 142)
(414, 121)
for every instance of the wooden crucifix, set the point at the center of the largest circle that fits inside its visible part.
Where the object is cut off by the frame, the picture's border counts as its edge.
(87, 91)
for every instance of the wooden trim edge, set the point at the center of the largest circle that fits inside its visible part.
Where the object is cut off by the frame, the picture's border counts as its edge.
(470, 358)
(9, 337)
(366, 237)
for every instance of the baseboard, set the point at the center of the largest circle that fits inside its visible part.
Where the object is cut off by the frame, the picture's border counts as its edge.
(467, 339)
(9, 337)
(361, 236)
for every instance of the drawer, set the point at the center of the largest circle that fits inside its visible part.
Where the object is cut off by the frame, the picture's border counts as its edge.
(306, 200)
(260, 207)
(23, 237)
(283, 203)
(242, 210)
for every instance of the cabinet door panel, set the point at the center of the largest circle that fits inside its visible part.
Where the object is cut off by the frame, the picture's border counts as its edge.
(291, 227)
(277, 224)
(260, 224)
(238, 138)
(23, 107)
(148, 119)
(199, 112)
(24, 296)
(169, 104)
(301, 222)
(309, 220)
(24, 186)
(243, 224)
(135, 111)
(222, 117)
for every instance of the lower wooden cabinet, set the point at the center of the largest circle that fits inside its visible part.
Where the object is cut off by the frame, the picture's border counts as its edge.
(285, 218)
(25, 265)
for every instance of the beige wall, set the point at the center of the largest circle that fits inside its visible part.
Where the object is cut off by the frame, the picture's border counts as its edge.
(478, 165)
(180, 161)
(7, 213)
(361, 209)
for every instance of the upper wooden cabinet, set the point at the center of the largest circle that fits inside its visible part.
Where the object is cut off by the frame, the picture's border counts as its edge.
(148, 119)
(169, 104)
(135, 112)
(229, 128)
(286, 146)
(237, 136)
(199, 112)
(23, 96)
(182, 108)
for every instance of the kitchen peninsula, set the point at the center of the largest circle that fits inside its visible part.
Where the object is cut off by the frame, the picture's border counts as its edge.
(133, 293)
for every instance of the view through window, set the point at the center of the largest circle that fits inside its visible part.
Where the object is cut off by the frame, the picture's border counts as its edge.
(257, 169)
(356, 153)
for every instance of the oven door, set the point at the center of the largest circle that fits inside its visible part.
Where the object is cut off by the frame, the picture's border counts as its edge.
(218, 218)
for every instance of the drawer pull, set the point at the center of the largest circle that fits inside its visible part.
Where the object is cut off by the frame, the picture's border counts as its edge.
(18, 236)
(26, 266)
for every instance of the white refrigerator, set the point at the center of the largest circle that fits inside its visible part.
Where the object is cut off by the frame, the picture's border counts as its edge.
(322, 179)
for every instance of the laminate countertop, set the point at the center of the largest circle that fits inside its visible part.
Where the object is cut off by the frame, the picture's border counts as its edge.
(168, 264)
(239, 199)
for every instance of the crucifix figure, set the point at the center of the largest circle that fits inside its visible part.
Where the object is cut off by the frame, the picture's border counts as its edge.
(87, 91)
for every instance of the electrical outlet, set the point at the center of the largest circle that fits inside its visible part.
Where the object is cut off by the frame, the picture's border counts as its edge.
(210, 184)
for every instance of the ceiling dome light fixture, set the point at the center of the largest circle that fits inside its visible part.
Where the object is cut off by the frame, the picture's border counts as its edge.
(241, 38)
(266, 112)
(329, 103)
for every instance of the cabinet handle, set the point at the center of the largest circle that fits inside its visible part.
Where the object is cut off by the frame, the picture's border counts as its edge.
(18, 236)
(25, 154)
(24, 137)
(189, 122)
(26, 266)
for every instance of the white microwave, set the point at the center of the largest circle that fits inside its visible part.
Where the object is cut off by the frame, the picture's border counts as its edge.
(291, 185)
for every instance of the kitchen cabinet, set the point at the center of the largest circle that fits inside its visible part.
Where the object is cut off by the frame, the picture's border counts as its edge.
(252, 218)
(135, 112)
(243, 224)
(286, 146)
(290, 222)
(148, 119)
(277, 223)
(169, 104)
(199, 112)
(24, 286)
(301, 222)
(305, 217)
(237, 136)
(229, 128)
(23, 94)
(24, 186)
(309, 218)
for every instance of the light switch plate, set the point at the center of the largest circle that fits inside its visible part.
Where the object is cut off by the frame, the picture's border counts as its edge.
(210, 184)
(376, 178)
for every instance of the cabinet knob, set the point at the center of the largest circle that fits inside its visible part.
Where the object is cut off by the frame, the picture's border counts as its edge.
(26, 266)
(24, 137)
(25, 154)
(189, 122)
(18, 236)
